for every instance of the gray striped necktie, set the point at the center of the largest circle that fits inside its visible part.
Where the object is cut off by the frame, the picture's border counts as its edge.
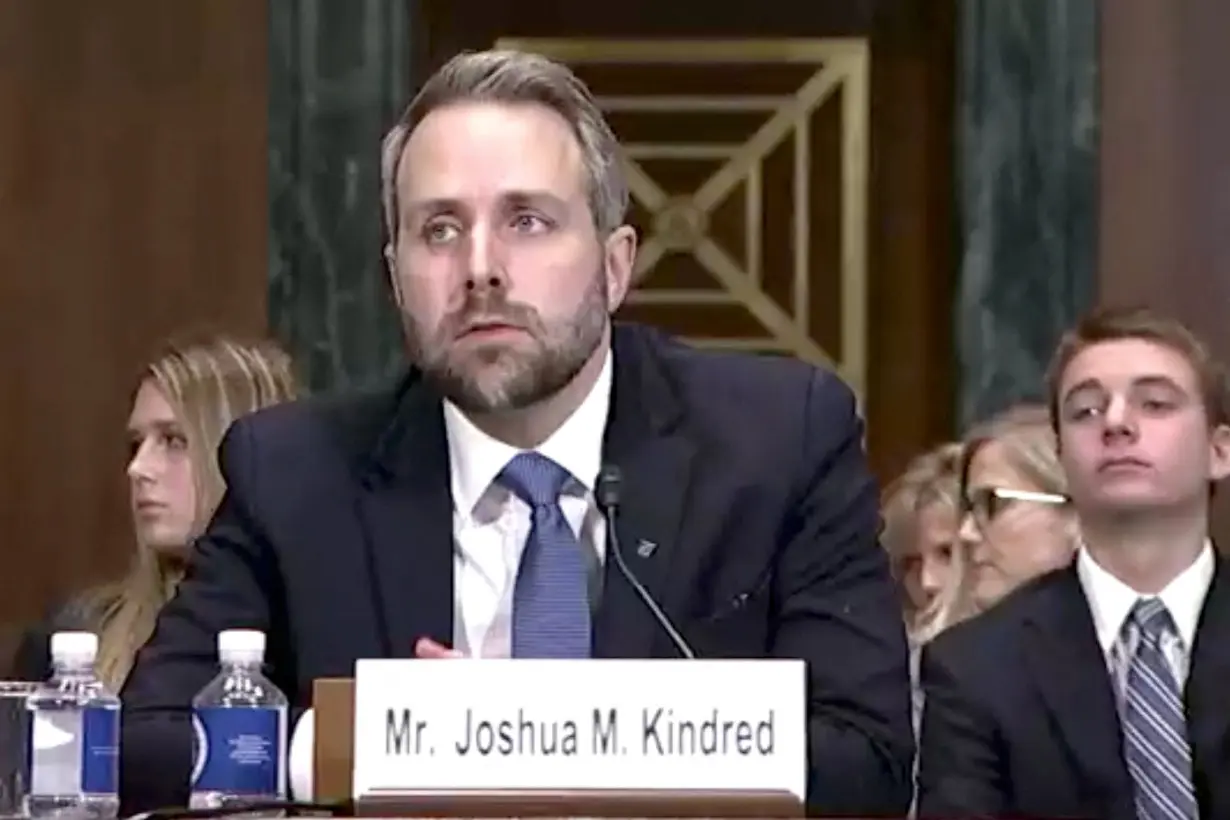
(1154, 727)
(551, 616)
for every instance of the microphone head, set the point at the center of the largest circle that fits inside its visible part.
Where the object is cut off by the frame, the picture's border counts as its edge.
(607, 489)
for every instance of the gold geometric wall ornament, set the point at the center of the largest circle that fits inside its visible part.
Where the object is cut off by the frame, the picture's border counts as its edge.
(683, 222)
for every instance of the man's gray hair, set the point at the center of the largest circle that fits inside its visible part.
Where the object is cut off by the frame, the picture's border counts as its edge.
(515, 77)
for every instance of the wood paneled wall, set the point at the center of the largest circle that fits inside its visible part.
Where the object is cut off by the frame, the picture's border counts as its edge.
(1165, 167)
(132, 204)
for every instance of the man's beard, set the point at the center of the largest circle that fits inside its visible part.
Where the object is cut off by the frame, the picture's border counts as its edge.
(493, 376)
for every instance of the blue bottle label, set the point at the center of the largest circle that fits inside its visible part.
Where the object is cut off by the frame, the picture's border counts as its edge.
(100, 750)
(238, 750)
(71, 752)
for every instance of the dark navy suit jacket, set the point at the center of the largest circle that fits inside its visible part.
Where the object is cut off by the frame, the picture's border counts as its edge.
(335, 538)
(1020, 717)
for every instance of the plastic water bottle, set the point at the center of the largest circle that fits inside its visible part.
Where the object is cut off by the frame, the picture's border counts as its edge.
(239, 721)
(74, 736)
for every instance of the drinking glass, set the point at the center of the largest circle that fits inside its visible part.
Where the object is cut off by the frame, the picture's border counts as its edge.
(14, 747)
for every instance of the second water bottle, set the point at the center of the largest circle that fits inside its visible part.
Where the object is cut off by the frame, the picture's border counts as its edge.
(239, 722)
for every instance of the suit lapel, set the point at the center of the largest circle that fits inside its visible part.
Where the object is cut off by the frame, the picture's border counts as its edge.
(406, 508)
(1208, 679)
(1068, 667)
(644, 441)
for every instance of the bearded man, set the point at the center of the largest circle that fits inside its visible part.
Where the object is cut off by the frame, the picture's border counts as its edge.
(458, 513)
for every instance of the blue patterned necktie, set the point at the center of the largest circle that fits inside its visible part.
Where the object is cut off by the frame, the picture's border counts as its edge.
(550, 617)
(1154, 727)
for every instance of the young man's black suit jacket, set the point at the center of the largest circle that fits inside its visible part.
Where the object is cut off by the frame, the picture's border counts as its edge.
(335, 537)
(1020, 717)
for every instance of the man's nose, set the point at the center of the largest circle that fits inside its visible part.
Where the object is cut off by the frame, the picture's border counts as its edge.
(1120, 420)
(486, 268)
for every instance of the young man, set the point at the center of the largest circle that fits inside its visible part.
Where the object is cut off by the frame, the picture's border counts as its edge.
(1099, 690)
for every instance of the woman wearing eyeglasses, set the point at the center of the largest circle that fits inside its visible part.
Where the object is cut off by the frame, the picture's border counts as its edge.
(1014, 496)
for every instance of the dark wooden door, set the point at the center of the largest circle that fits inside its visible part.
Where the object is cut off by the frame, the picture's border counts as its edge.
(790, 173)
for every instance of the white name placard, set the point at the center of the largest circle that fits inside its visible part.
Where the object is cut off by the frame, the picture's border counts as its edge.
(467, 725)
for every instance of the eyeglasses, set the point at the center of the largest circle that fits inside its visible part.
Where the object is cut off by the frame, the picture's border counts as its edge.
(987, 503)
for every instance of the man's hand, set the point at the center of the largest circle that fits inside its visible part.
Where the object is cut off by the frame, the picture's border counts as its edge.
(428, 649)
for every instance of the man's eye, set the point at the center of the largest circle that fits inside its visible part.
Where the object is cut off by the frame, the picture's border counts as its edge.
(529, 223)
(436, 233)
(1082, 412)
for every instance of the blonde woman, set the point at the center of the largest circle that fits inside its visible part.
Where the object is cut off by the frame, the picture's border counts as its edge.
(922, 519)
(183, 403)
(1014, 495)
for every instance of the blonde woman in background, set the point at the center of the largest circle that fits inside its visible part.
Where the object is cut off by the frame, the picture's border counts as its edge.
(1014, 497)
(183, 404)
(922, 517)
(922, 534)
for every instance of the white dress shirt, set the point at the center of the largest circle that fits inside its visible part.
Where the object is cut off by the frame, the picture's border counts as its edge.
(491, 525)
(1111, 602)
(490, 530)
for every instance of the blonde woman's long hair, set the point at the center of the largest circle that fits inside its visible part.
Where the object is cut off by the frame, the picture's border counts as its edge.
(932, 478)
(209, 382)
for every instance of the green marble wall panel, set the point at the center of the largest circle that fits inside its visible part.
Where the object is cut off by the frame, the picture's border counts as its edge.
(1027, 190)
(338, 77)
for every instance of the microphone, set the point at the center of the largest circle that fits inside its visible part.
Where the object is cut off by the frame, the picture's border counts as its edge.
(607, 495)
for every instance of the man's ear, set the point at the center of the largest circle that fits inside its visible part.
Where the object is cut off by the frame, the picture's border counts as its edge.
(1219, 452)
(619, 253)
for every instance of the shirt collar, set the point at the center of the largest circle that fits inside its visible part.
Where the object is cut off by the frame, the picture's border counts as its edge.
(1111, 600)
(476, 458)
